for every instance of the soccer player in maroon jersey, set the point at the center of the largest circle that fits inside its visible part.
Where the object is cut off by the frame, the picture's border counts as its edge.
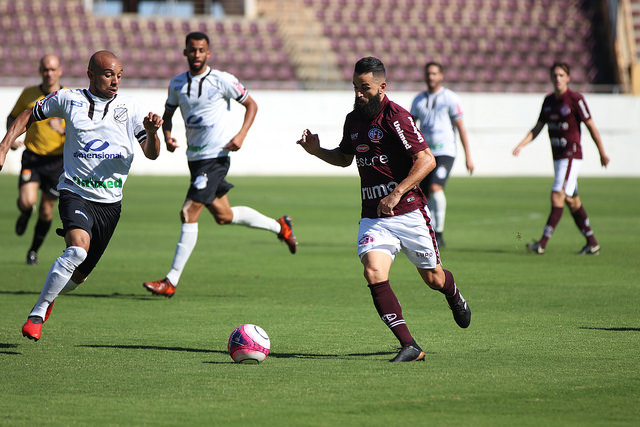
(562, 111)
(392, 158)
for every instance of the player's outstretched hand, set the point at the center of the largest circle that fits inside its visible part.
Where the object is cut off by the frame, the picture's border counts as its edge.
(310, 142)
(152, 122)
(604, 160)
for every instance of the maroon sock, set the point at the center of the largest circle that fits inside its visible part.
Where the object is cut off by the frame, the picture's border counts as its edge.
(390, 311)
(552, 222)
(450, 290)
(582, 221)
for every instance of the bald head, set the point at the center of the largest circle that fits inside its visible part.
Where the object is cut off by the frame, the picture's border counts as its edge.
(101, 60)
(50, 70)
(49, 61)
(105, 73)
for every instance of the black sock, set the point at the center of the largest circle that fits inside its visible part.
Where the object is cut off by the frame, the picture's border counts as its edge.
(41, 230)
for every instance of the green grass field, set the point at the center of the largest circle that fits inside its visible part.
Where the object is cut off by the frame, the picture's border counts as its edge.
(554, 339)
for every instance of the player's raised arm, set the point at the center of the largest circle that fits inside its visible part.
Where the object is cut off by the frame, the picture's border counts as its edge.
(311, 143)
(151, 146)
(17, 128)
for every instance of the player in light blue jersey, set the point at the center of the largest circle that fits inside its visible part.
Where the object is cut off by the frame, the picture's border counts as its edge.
(204, 96)
(439, 114)
(102, 131)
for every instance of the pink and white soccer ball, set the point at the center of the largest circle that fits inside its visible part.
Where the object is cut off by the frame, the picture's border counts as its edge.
(248, 344)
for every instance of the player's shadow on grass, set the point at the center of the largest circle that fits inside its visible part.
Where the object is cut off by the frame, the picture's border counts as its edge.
(611, 329)
(273, 355)
(476, 250)
(4, 346)
(81, 295)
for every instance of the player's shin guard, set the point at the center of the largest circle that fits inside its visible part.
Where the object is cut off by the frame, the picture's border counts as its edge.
(249, 217)
(552, 223)
(437, 203)
(390, 311)
(58, 276)
(41, 230)
(582, 221)
(450, 290)
(188, 239)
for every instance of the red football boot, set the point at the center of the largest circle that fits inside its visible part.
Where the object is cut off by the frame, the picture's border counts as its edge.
(32, 328)
(286, 233)
(160, 287)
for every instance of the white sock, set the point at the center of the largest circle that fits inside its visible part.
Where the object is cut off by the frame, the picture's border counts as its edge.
(59, 274)
(70, 286)
(437, 203)
(244, 215)
(188, 239)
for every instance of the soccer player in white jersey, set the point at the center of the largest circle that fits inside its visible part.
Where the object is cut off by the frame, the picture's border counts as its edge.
(439, 114)
(204, 95)
(102, 131)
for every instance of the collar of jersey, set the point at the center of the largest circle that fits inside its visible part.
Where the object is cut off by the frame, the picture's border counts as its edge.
(201, 75)
(98, 98)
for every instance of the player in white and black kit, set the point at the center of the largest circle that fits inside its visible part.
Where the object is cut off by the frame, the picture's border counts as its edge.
(203, 96)
(392, 158)
(563, 111)
(439, 115)
(102, 131)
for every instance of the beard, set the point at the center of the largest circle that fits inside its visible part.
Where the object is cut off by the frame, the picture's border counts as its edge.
(196, 69)
(370, 109)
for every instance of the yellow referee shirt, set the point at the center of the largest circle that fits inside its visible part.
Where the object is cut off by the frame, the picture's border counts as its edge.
(41, 138)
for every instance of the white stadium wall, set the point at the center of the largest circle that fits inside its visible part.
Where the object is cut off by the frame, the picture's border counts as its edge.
(495, 124)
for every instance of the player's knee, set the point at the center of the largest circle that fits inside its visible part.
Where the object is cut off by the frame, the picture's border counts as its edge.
(374, 274)
(72, 257)
(184, 215)
(45, 215)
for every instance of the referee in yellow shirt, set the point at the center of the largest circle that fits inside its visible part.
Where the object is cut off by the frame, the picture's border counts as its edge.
(42, 160)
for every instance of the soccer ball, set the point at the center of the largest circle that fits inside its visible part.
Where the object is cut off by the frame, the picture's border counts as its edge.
(248, 344)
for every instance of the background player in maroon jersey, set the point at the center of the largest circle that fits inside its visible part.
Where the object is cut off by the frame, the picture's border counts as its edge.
(392, 158)
(562, 111)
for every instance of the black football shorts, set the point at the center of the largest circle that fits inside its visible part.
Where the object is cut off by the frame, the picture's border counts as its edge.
(208, 179)
(439, 175)
(44, 170)
(97, 219)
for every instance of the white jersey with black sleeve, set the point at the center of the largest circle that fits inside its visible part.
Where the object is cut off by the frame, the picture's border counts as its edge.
(101, 135)
(436, 113)
(204, 102)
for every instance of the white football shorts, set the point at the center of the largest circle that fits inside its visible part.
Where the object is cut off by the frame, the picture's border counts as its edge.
(410, 233)
(566, 179)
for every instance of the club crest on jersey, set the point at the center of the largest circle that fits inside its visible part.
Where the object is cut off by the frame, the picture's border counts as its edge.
(362, 148)
(565, 110)
(375, 135)
(365, 240)
(120, 114)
